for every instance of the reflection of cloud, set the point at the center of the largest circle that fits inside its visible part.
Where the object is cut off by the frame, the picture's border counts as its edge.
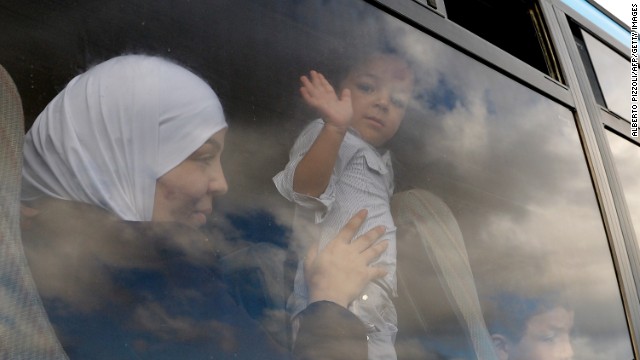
(74, 262)
(596, 348)
(627, 160)
(507, 160)
(255, 155)
(153, 319)
(510, 165)
(612, 70)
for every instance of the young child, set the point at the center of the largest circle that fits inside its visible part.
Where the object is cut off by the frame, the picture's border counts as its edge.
(338, 166)
(537, 328)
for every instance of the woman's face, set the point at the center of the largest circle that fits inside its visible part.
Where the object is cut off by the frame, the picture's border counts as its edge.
(185, 193)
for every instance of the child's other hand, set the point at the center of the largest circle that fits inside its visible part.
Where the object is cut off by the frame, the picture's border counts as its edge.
(318, 93)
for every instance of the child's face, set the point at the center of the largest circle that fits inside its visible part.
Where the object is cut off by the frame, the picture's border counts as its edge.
(547, 336)
(380, 91)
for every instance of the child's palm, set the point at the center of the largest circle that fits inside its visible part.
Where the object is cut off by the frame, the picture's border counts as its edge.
(317, 92)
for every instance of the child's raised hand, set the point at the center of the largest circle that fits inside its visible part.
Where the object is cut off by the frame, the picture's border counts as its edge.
(318, 93)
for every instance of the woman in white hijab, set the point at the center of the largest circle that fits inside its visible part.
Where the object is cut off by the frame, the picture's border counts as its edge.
(113, 131)
(114, 168)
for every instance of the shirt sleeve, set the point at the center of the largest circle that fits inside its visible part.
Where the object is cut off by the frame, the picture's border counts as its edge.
(284, 180)
(329, 331)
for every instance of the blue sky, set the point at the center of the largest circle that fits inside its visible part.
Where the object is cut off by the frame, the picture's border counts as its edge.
(619, 8)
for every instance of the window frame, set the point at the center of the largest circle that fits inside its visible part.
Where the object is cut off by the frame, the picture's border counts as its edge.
(577, 96)
(591, 118)
(622, 241)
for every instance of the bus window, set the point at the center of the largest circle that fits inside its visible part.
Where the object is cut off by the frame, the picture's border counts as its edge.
(489, 20)
(611, 70)
(626, 156)
(501, 213)
(522, 197)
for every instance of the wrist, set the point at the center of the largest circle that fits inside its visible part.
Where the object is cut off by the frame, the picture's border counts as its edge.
(340, 130)
(328, 296)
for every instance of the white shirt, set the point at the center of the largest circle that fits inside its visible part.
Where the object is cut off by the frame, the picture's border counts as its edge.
(361, 179)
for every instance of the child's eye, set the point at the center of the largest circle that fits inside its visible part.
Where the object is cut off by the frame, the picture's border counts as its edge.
(549, 337)
(365, 87)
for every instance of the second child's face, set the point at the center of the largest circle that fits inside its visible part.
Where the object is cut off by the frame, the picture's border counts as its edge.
(547, 337)
(380, 91)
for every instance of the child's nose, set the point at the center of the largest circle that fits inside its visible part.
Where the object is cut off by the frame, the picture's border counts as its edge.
(383, 100)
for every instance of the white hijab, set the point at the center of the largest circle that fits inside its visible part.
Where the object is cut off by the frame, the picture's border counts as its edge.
(114, 130)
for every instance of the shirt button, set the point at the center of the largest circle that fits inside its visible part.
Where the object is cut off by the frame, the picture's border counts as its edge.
(365, 297)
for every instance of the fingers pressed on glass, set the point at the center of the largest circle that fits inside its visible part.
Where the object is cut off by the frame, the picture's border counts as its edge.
(349, 230)
(373, 252)
(364, 242)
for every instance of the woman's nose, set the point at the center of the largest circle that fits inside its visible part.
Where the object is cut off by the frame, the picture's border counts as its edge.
(220, 187)
(218, 182)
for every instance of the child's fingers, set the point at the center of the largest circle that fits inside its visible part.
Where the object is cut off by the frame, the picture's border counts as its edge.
(346, 95)
(322, 81)
(316, 78)
(306, 95)
(305, 81)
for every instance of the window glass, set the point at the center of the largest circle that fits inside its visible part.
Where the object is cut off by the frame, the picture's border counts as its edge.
(626, 156)
(500, 242)
(520, 193)
(612, 70)
(487, 19)
(588, 65)
(584, 8)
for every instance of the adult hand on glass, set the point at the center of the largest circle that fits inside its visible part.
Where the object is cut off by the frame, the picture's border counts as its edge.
(341, 270)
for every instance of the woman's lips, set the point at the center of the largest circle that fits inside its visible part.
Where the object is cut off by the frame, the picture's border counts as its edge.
(199, 217)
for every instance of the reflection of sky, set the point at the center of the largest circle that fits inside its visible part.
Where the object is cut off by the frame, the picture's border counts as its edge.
(591, 13)
(510, 165)
(139, 296)
(626, 156)
(506, 160)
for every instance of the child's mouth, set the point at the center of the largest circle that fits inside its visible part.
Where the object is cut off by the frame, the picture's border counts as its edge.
(375, 121)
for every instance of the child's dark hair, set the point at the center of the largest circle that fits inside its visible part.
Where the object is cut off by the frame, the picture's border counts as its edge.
(355, 59)
(511, 312)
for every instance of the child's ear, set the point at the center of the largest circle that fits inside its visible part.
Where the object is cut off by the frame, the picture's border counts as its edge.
(501, 345)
